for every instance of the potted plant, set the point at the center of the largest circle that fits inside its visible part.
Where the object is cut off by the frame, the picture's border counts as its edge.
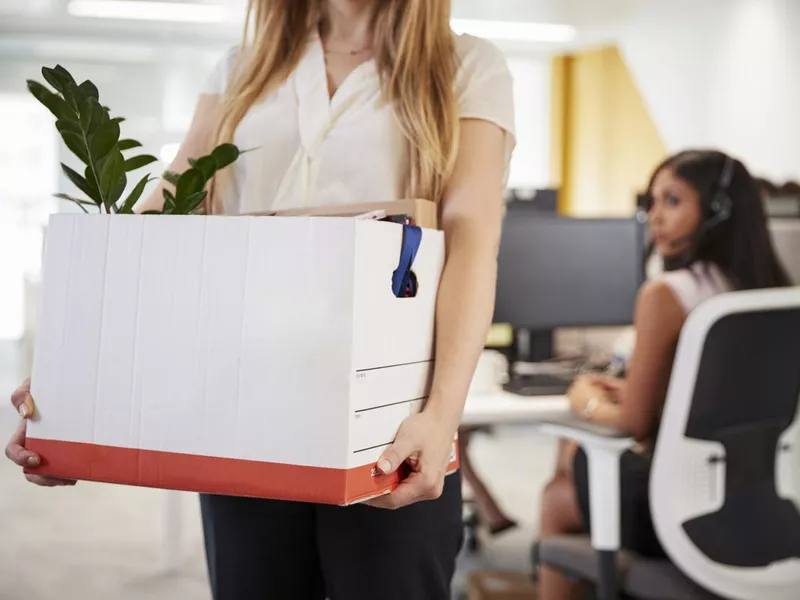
(94, 137)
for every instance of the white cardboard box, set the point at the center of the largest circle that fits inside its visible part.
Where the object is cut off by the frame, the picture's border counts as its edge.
(257, 356)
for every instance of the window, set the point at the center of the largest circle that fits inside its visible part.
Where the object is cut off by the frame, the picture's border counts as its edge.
(28, 178)
(530, 164)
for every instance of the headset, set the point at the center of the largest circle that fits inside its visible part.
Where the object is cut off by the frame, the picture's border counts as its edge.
(721, 205)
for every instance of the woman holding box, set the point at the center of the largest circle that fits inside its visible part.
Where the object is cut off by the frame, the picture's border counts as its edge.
(347, 101)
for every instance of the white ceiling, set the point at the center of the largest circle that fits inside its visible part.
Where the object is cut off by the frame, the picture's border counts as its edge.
(23, 22)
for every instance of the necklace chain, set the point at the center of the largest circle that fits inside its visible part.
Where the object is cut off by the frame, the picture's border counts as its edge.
(349, 52)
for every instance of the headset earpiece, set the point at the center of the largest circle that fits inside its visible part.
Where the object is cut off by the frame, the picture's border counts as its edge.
(721, 204)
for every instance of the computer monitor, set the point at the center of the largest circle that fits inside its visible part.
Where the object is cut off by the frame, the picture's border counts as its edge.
(556, 271)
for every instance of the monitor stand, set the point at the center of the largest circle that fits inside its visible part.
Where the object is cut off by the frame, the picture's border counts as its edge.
(535, 347)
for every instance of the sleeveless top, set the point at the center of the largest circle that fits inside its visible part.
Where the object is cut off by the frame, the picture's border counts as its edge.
(696, 284)
(691, 286)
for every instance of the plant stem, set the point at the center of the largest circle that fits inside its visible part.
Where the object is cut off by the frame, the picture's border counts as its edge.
(91, 165)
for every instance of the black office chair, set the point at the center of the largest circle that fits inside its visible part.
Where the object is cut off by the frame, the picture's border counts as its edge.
(725, 477)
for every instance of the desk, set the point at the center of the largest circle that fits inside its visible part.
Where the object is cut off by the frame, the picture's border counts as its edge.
(507, 408)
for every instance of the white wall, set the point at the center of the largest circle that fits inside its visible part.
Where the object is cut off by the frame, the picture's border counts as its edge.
(530, 163)
(721, 73)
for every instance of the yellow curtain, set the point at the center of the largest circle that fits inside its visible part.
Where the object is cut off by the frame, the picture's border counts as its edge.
(604, 143)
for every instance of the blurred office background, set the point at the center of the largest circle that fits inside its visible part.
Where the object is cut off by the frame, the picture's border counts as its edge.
(604, 89)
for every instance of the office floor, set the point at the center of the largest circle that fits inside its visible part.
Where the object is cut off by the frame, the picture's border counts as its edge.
(104, 541)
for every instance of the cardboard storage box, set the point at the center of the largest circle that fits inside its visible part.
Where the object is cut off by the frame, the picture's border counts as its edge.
(501, 585)
(424, 212)
(242, 355)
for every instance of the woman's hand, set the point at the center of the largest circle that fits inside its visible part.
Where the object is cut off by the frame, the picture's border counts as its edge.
(425, 443)
(15, 450)
(584, 390)
(612, 386)
(597, 399)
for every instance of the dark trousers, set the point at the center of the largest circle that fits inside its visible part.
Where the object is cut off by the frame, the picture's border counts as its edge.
(274, 550)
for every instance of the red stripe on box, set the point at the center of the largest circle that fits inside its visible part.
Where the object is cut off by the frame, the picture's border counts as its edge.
(195, 473)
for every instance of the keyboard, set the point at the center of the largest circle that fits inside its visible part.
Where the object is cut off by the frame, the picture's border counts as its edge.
(539, 385)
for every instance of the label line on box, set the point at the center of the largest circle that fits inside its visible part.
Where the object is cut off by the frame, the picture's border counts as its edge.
(373, 447)
(408, 364)
(363, 410)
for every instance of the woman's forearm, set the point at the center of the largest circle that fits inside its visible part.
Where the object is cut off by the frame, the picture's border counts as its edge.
(464, 311)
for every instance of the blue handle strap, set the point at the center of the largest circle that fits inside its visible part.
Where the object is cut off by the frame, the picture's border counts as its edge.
(404, 282)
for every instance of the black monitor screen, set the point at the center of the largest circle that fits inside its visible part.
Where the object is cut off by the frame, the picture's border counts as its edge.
(561, 272)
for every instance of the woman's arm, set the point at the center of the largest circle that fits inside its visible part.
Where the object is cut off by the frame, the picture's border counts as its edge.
(658, 320)
(471, 217)
(198, 142)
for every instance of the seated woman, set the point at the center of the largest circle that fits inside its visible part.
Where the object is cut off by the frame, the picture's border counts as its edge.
(708, 224)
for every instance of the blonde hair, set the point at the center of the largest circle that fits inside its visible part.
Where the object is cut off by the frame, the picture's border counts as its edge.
(416, 59)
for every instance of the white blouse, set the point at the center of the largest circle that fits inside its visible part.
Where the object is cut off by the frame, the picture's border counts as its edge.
(310, 149)
(696, 284)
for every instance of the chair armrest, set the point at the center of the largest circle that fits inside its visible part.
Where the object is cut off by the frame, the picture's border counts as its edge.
(586, 433)
(603, 445)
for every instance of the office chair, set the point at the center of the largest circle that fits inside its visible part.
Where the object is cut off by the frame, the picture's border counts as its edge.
(725, 476)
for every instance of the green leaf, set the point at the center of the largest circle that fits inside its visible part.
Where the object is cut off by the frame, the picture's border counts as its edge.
(77, 145)
(133, 197)
(74, 96)
(68, 126)
(39, 91)
(169, 201)
(224, 155)
(81, 203)
(128, 144)
(104, 139)
(171, 177)
(192, 202)
(207, 166)
(137, 162)
(99, 116)
(74, 199)
(190, 182)
(80, 183)
(93, 185)
(86, 110)
(90, 89)
(116, 192)
(117, 120)
(54, 103)
(65, 75)
(58, 81)
(110, 175)
(153, 212)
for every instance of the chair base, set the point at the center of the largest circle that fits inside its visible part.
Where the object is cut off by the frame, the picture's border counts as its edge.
(634, 576)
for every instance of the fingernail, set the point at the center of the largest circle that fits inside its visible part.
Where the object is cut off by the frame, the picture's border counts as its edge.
(33, 461)
(26, 408)
(384, 466)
